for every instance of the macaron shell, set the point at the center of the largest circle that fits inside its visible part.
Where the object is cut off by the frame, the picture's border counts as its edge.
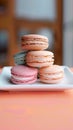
(40, 53)
(34, 46)
(21, 70)
(41, 64)
(23, 82)
(52, 69)
(34, 37)
(56, 81)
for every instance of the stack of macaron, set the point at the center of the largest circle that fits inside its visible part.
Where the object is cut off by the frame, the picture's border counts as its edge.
(33, 60)
(37, 56)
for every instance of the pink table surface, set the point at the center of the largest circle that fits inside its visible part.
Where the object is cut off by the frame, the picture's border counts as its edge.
(36, 110)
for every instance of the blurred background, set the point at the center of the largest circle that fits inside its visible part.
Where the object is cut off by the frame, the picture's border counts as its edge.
(52, 18)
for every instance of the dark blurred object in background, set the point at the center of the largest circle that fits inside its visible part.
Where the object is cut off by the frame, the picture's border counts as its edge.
(3, 6)
(3, 47)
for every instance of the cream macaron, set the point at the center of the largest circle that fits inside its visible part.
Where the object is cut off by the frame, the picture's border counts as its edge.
(39, 58)
(34, 42)
(51, 75)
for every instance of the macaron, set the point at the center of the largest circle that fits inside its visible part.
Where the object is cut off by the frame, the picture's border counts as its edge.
(51, 75)
(39, 58)
(19, 58)
(21, 74)
(34, 42)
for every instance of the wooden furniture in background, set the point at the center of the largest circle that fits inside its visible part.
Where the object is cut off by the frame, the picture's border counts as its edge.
(13, 25)
(7, 22)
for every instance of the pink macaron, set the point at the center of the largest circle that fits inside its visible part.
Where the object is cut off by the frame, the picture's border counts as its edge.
(52, 74)
(34, 42)
(21, 74)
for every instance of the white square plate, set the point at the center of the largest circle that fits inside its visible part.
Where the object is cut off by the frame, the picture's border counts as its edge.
(6, 85)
